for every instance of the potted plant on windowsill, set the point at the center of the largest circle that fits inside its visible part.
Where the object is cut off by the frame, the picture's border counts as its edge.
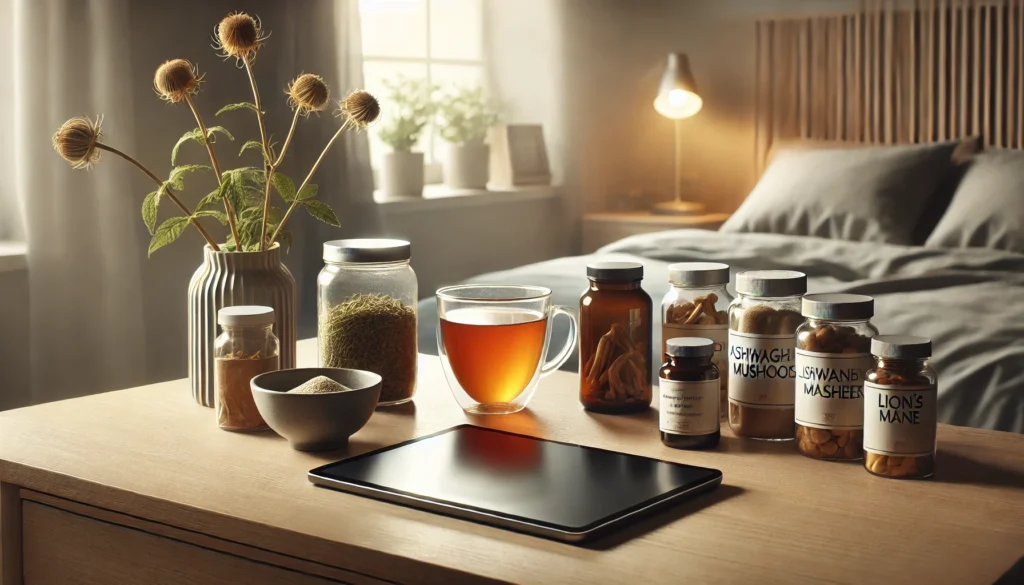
(409, 109)
(464, 116)
(243, 268)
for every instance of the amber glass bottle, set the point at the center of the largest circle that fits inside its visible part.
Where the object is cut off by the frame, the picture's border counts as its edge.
(615, 339)
(688, 394)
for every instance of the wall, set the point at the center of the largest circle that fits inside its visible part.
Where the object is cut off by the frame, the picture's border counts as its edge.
(614, 55)
(14, 329)
(450, 244)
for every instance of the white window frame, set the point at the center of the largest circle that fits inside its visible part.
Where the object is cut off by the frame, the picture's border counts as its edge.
(430, 156)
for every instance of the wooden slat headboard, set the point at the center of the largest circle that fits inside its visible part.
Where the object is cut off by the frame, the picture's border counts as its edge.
(894, 72)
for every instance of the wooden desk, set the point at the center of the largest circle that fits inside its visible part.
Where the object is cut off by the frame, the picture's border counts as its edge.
(139, 487)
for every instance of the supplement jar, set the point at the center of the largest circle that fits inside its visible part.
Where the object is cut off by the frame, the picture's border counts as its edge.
(615, 339)
(366, 307)
(900, 403)
(762, 347)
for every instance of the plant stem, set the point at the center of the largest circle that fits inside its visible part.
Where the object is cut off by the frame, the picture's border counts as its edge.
(268, 170)
(316, 165)
(228, 210)
(288, 140)
(174, 198)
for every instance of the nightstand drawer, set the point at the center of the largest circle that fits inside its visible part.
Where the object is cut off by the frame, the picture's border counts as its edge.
(62, 547)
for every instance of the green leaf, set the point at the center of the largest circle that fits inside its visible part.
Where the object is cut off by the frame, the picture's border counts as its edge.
(168, 231)
(177, 177)
(252, 144)
(321, 211)
(149, 209)
(218, 215)
(238, 106)
(195, 134)
(284, 185)
(307, 192)
(211, 133)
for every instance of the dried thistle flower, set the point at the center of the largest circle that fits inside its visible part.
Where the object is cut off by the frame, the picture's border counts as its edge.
(360, 107)
(176, 79)
(76, 141)
(308, 93)
(239, 35)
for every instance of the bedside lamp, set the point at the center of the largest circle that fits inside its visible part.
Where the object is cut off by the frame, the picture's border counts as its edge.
(678, 99)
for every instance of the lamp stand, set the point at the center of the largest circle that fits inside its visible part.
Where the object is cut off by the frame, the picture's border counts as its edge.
(677, 206)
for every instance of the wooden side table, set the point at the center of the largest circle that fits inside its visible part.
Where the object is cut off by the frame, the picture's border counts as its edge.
(140, 487)
(600, 229)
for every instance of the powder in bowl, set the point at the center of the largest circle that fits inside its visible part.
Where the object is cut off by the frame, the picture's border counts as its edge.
(319, 385)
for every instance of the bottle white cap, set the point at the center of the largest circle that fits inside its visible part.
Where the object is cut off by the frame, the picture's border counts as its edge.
(245, 315)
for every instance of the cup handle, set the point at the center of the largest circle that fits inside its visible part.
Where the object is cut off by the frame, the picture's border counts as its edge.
(570, 343)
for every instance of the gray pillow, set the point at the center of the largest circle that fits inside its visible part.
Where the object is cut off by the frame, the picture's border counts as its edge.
(872, 194)
(987, 210)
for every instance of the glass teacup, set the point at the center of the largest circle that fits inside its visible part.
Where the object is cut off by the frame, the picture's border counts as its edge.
(492, 340)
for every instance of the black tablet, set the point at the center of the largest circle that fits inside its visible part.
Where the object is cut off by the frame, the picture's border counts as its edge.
(557, 490)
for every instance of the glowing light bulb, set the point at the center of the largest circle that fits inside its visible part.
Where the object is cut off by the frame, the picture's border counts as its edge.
(677, 98)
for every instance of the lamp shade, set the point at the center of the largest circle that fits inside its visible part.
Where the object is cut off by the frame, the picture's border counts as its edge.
(677, 93)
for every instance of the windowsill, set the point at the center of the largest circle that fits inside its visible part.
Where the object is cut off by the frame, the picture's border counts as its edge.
(439, 197)
(13, 256)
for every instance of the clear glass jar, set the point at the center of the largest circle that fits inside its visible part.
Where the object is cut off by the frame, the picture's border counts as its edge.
(900, 408)
(615, 339)
(366, 307)
(246, 348)
(689, 397)
(762, 346)
(832, 357)
(697, 305)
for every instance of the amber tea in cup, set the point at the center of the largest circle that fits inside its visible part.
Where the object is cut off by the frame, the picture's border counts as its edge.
(492, 341)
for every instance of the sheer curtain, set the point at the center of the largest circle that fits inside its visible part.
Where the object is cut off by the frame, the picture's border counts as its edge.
(102, 315)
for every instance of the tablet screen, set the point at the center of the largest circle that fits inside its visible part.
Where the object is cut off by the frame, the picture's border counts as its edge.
(558, 485)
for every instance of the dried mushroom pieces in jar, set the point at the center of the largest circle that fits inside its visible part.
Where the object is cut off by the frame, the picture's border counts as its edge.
(615, 339)
(830, 444)
(700, 312)
(762, 327)
(617, 373)
(696, 305)
(900, 404)
(765, 320)
(831, 362)
(900, 467)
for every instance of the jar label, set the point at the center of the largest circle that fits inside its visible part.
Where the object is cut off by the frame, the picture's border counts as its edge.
(899, 420)
(688, 408)
(761, 369)
(830, 389)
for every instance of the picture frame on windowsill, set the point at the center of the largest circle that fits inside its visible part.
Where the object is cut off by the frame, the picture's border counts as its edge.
(519, 156)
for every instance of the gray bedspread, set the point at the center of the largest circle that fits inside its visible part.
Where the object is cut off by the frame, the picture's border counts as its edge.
(970, 302)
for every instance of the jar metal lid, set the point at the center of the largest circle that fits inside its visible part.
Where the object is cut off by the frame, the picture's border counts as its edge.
(771, 283)
(698, 273)
(367, 251)
(252, 315)
(838, 306)
(612, 271)
(690, 347)
(906, 347)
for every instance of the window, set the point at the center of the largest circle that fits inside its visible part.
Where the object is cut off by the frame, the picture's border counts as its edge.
(437, 40)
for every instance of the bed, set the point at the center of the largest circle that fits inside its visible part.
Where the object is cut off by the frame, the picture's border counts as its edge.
(903, 192)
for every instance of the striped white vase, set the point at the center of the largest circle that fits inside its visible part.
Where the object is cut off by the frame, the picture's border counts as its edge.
(226, 279)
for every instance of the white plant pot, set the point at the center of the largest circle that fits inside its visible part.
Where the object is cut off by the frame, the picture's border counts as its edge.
(401, 174)
(467, 166)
